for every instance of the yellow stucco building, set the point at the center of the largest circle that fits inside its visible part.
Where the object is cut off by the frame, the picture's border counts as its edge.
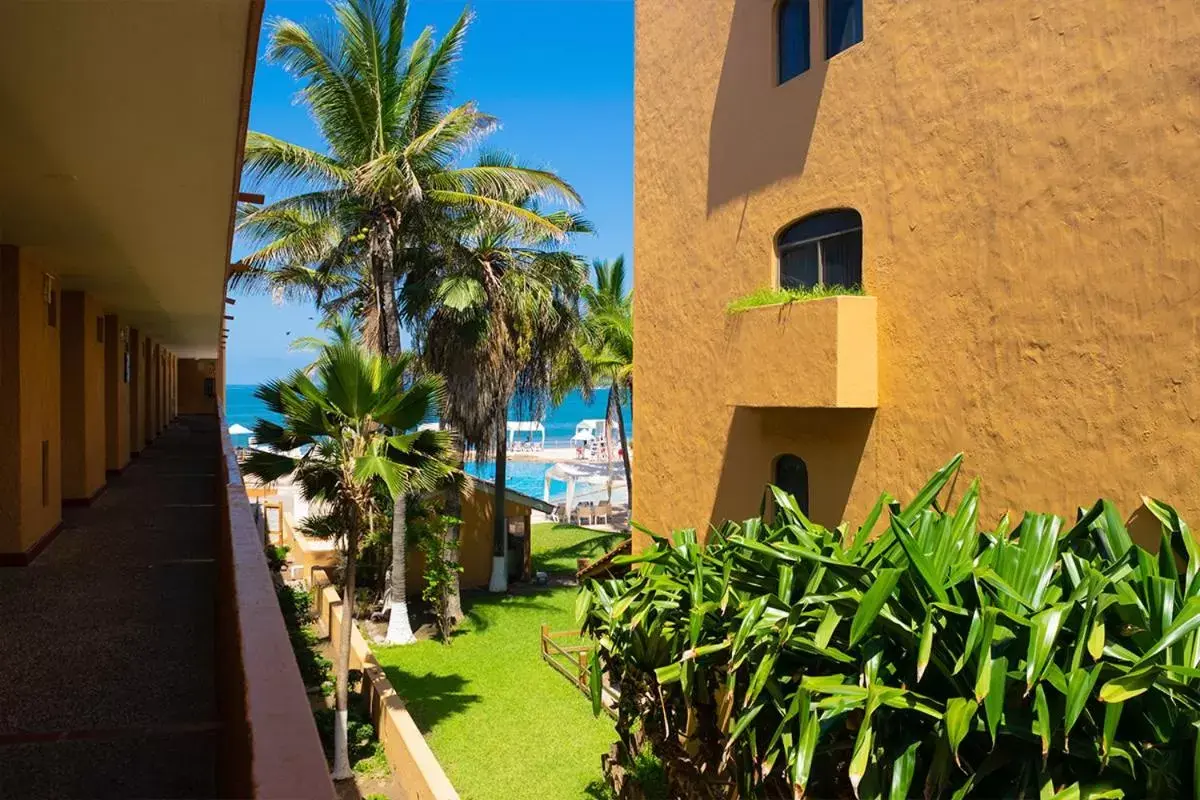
(1013, 184)
(122, 127)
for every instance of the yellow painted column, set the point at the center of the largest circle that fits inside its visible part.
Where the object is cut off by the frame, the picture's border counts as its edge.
(137, 403)
(30, 452)
(117, 368)
(82, 397)
(148, 390)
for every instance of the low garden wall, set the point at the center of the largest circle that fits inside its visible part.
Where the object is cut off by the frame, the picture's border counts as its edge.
(407, 751)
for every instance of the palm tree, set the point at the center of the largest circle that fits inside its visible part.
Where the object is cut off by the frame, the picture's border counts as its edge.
(335, 439)
(497, 316)
(608, 343)
(360, 215)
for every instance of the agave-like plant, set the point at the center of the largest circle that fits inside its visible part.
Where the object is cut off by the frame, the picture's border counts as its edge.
(917, 655)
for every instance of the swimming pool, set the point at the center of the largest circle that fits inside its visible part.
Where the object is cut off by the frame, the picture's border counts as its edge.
(526, 477)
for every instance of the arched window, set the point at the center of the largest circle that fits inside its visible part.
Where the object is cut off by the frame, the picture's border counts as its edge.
(843, 25)
(791, 475)
(824, 249)
(792, 25)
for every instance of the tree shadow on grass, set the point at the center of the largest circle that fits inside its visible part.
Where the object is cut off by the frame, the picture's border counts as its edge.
(569, 554)
(431, 698)
(476, 604)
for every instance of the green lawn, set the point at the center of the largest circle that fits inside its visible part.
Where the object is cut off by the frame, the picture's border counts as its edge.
(501, 721)
(557, 546)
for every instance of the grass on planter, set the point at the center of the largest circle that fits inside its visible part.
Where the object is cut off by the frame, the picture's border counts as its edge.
(773, 296)
(500, 720)
(557, 546)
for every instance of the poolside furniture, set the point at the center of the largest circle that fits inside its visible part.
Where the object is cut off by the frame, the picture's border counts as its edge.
(560, 513)
(584, 514)
(602, 513)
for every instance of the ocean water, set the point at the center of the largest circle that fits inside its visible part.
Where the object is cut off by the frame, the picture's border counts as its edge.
(527, 477)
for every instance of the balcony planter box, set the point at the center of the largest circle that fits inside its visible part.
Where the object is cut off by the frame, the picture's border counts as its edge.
(813, 354)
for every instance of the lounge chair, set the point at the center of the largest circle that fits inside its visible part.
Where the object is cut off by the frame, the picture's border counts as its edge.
(584, 514)
(602, 513)
(560, 513)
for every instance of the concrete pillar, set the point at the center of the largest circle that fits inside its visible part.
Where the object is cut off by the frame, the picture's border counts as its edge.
(82, 398)
(117, 368)
(31, 449)
(137, 392)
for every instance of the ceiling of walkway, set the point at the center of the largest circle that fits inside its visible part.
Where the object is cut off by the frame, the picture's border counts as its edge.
(120, 126)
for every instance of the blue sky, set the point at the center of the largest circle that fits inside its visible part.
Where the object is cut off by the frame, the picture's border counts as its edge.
(558, 74)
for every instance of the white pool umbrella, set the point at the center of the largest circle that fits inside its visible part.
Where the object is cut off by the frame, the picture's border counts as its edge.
(239, 430)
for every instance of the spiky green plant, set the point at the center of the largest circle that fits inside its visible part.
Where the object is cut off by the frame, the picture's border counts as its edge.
(917, 655)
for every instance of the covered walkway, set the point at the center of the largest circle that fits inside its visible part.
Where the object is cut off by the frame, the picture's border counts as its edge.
(107, 659)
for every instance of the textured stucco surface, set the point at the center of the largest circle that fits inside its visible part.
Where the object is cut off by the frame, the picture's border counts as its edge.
(834, 338)
(116, 394)
(82, 403)
(137, 392)
(1025, 173)
(29, 379)
(190, 385)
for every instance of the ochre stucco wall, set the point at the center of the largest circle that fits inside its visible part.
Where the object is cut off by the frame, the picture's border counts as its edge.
(116, 393)
(190, 385)
(30, 476)
(1031, 232)
(82, 403)
(137, 403)
(153, 424)
(475, 542)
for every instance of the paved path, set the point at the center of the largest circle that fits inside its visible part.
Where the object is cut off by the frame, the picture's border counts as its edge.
(107, 639)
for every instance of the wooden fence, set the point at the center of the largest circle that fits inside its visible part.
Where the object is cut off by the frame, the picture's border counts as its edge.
(571, 660)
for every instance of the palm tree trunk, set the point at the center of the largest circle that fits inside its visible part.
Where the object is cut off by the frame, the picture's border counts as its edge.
(399, 628)
(341, 717)
(499, 581)
(454, 612)
(624, 446)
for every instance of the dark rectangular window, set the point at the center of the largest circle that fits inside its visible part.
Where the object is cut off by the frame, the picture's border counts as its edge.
(841, 257)
(100, 330)
(800, 266)
(794, 36)
(52, 309)
(843, 25)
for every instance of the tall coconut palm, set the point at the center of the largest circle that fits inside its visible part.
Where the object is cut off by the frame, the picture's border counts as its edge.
(334, 437)
(608, 343)
(356, 216)
(497, 316)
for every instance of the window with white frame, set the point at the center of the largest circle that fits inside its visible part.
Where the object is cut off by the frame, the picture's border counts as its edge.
(823, 249)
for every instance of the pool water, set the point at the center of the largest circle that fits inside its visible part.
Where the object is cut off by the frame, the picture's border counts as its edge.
(526, 477)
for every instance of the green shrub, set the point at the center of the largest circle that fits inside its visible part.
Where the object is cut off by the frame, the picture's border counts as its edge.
(360, 732)
(296, 606)
(916, 656)
(276, 557)
(775, 296)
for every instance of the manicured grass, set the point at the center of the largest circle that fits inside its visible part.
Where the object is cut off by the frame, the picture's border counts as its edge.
(500, 720)
(771, 296)
(557, 547)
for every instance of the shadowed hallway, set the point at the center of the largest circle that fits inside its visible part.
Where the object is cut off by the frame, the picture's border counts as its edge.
(107, 654)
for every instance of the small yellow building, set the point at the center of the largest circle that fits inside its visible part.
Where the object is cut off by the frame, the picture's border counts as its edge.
(1013, 187)
(475, 542)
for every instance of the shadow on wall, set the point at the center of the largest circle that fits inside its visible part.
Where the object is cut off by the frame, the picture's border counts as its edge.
(831, 441)
(761, 129)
